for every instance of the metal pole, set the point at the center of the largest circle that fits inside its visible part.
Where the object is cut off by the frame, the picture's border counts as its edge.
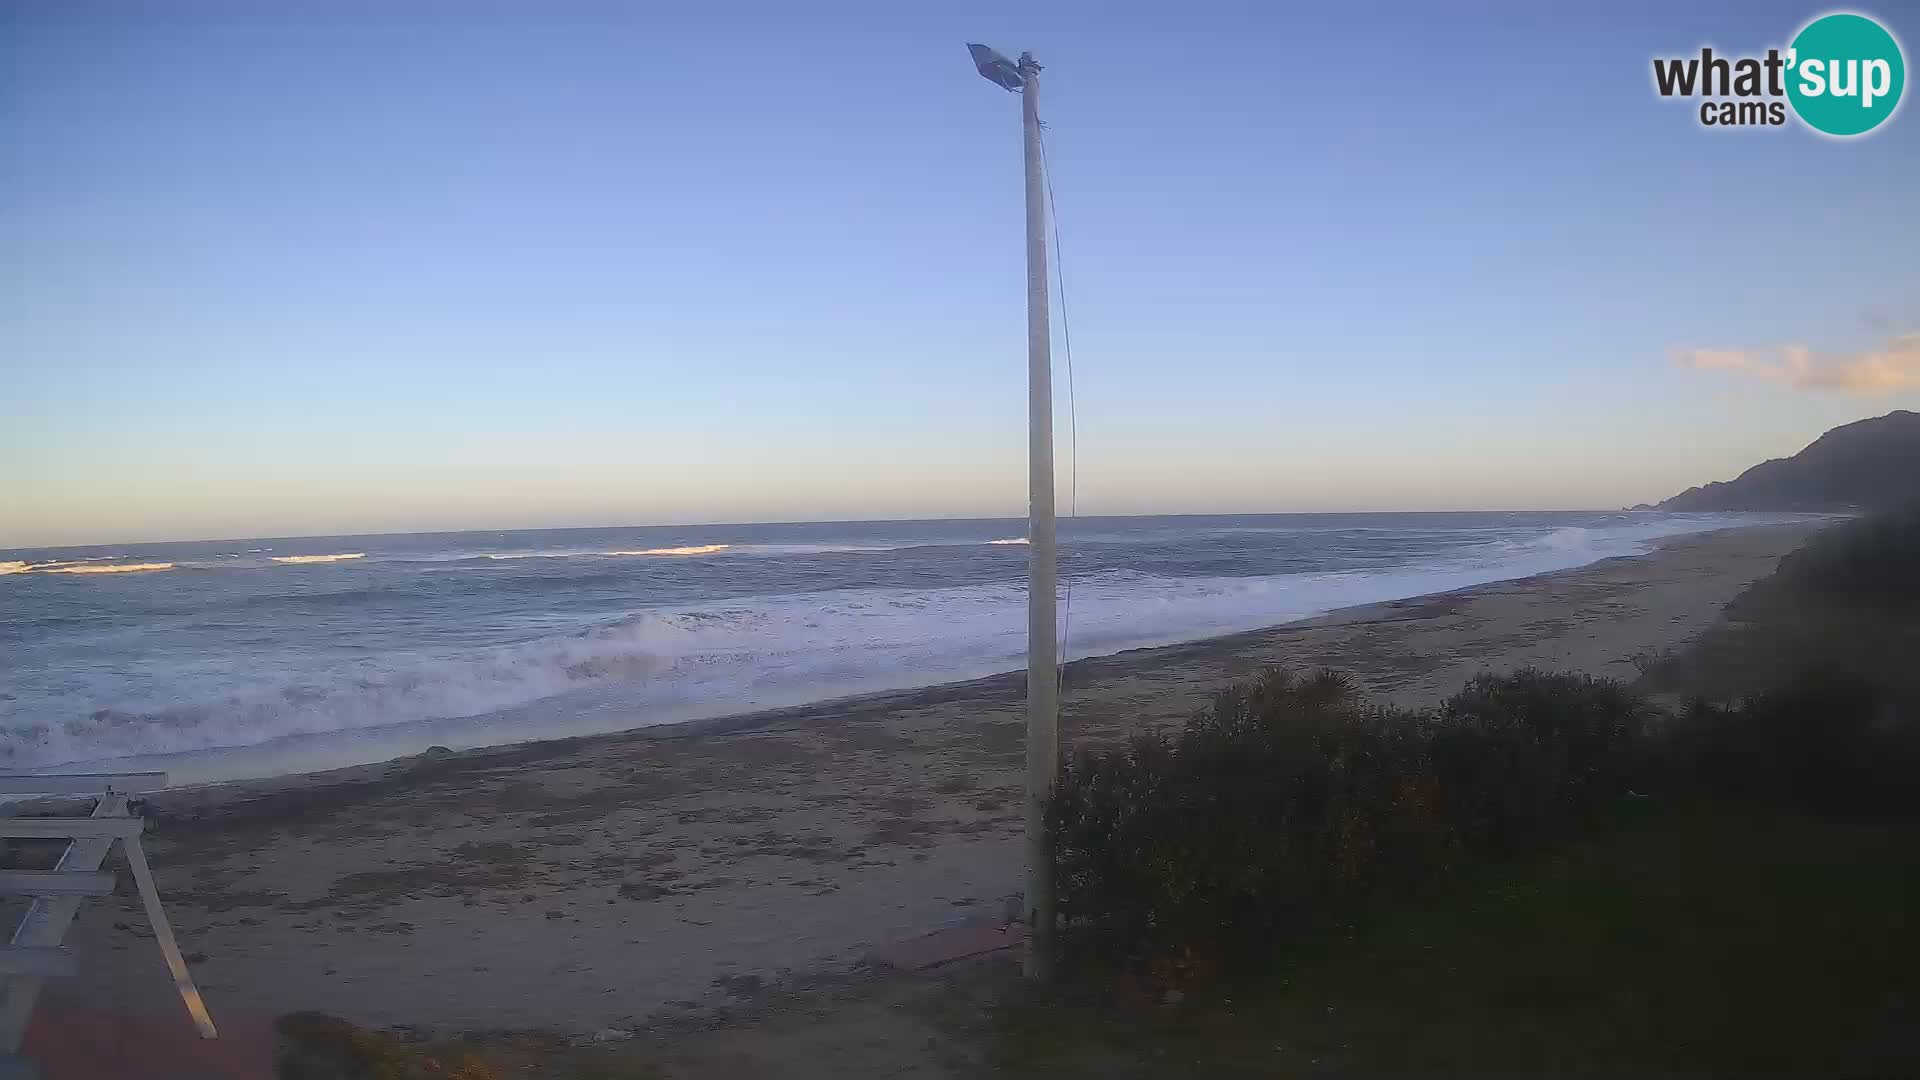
(1043, 684)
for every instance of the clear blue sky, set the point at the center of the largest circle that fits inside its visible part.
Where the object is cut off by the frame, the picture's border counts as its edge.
(273, 268)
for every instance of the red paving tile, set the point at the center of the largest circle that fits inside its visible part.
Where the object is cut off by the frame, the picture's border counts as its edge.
(93, 1044)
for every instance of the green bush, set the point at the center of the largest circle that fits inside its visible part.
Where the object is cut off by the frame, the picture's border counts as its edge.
(1847, 603)
(1233, 825)
(1526, 758)
(1291, 800)
(1871, 562)
(1828, 742)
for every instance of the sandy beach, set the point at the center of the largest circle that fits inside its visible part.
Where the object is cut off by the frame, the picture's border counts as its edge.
(615, 880)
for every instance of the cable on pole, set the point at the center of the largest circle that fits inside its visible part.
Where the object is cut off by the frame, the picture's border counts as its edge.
(1073, 407)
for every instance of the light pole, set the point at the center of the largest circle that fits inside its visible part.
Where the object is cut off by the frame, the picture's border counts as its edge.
(1043, 657)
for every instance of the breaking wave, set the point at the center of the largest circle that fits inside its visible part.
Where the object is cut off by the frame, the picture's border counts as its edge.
(761, 550)
(228, 561)
(78, 566)
(344, 556)
(109, 568)
(81, 566)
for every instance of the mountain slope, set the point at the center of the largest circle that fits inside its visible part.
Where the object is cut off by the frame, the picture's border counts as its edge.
(1865, 465)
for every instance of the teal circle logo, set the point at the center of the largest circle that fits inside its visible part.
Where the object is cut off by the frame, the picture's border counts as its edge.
(1845, 73)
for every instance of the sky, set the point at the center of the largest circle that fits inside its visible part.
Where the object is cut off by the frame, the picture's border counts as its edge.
(281, 269)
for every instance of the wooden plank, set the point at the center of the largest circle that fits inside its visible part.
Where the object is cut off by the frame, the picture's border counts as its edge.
(56, 883)
(71, 828)
(163, 934)
(41, 961)
(80, 783)
(46, 922)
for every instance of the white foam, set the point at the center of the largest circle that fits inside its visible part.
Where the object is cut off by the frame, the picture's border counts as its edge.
(79, 566)
(777, 550)
(344, 556)
(731, 550)
(110, 568)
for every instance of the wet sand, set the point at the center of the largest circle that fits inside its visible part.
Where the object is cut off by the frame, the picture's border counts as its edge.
(631, 879)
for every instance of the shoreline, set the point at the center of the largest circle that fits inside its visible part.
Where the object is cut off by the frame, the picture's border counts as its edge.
(614, 879)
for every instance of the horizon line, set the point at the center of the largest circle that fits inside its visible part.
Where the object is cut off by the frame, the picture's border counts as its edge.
(1638, 508)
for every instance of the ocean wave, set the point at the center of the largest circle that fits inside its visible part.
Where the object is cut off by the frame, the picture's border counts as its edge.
(695, 660)
(817, 549)
(1588, 543)
(343, 556)
(355, 696)
(229, 561)
(678, 662)
(690, 549)
(87, 567)
(736, 550)
(73, 566)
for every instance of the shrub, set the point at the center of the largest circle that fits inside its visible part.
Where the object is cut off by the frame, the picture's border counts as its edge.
(1524, 759)
(1291, 800)
(1826, 742)
(1847, 603)
(1870, 562)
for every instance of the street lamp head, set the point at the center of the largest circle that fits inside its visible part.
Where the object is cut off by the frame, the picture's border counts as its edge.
(997, 69)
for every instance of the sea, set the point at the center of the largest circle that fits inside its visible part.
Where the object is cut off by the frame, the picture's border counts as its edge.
(247, 658)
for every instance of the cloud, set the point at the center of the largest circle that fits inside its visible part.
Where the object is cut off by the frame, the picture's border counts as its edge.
(1893, 367)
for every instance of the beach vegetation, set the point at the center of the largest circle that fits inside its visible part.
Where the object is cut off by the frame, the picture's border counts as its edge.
(1847, 603)
(1291, 802)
